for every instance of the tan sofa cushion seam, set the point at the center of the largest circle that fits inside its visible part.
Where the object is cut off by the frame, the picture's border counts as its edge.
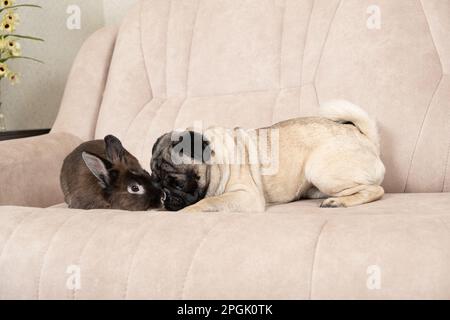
(44, 257)
(14, 232)
(316, 247)
(420, 132)
(194, 256)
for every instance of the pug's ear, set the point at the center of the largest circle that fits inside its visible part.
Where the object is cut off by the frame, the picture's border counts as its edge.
(155, 145)
(193, 145)
(98, 167)
(114, 149)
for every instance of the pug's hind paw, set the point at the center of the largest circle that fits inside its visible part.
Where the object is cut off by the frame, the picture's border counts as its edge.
(332, 203)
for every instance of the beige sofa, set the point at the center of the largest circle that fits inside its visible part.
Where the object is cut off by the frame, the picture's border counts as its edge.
(243, 63)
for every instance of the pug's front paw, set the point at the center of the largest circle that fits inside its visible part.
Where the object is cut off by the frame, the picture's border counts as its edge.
(197, 209)
(190, 209)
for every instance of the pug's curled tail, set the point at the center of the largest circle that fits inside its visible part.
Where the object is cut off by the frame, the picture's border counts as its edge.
(344, 111)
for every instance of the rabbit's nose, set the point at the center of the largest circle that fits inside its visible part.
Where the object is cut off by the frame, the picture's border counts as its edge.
(156, 184)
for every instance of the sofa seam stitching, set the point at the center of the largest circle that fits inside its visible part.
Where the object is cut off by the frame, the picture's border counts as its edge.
(276, 99)
(141, 45)
(97, 227)
(104, 86)
(188, 67)
(44, 257)
(249, 92)
(420, 133)
(138, 246)
(447, 162)
(316, 246)
(280, 63)
(323, 48)
(13, 232)
(150, 128)
(432, 37)
(166, 71)
(442, 76)
(182, 103)
(155, 113)
(194, 256)
(443, 73)
(305, 42)
(447, 226)
(127, 130)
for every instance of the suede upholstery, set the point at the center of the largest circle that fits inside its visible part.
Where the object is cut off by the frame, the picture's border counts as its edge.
(30, 169)
(243, 63)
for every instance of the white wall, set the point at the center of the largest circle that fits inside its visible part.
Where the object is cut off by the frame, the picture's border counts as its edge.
(115, 9)
(34, 102)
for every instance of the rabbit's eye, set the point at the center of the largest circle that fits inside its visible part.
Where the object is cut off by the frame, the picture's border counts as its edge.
(136, 189)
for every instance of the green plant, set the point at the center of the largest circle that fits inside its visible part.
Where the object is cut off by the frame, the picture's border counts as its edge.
(10, 48)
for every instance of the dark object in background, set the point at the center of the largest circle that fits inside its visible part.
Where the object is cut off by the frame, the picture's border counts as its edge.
(12, 135)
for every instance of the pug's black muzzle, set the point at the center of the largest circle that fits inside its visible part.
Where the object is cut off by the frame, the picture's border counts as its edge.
(176, 200)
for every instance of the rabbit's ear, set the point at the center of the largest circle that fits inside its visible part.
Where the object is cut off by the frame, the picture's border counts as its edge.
(114, 149)
(98, 167)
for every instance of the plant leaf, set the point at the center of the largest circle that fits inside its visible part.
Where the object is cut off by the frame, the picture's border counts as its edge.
(22, 37)
(21, 57)
(20, 5)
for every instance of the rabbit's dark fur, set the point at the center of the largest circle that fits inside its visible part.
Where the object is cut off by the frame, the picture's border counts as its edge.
(102, 174)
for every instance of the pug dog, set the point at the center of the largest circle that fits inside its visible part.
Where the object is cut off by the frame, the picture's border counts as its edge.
(335, 157)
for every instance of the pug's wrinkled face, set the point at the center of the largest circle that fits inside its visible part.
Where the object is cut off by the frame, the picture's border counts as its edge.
(178, 165)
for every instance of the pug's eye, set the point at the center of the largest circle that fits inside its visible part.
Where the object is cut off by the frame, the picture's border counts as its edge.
(136, 189)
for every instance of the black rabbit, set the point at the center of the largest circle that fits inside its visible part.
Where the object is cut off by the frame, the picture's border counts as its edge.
(102, 174)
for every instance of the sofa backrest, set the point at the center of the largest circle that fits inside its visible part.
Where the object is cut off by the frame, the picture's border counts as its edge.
(252, 63)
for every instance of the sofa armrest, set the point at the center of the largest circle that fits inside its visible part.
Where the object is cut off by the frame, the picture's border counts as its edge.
(84, 89)
(30, 168)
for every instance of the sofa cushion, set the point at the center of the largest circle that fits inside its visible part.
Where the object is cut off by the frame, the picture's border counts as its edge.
(397, 248)
(252, 63)
(390, 204)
